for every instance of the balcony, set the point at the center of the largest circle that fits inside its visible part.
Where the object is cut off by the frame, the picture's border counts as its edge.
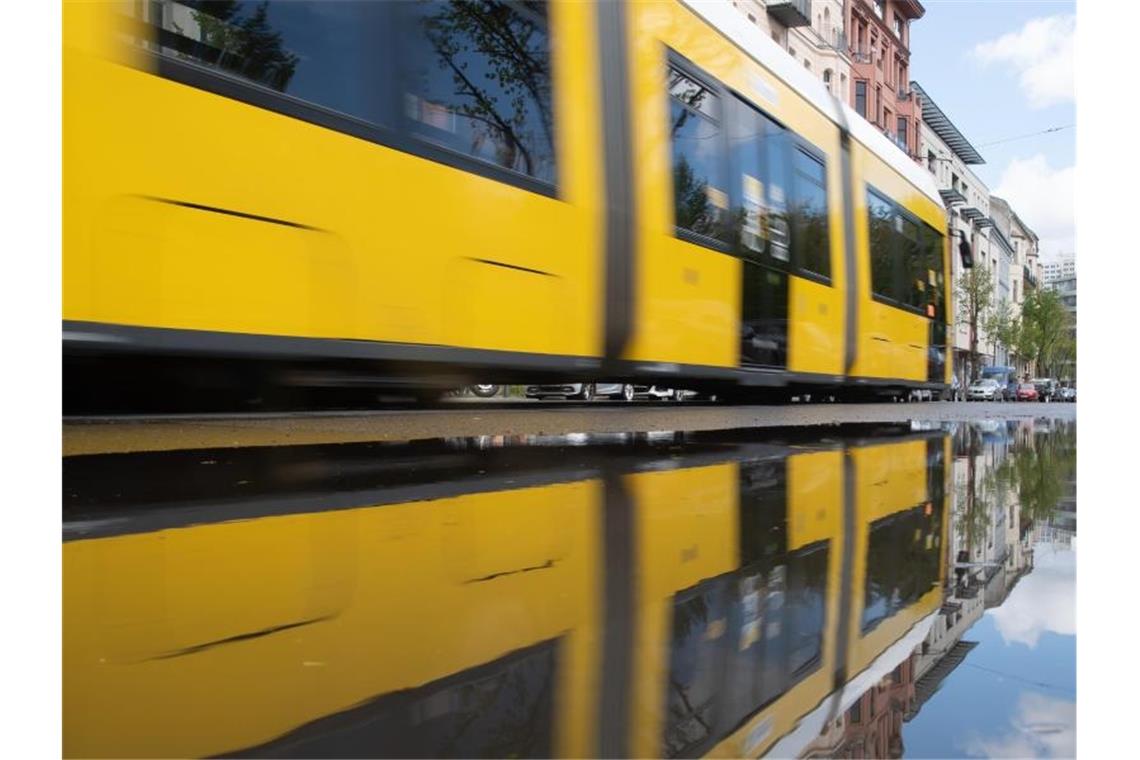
(858, 55)
(790, 12)
(1027, 275)
(905, 93)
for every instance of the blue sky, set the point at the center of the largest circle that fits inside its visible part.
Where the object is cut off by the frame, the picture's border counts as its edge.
(1000, 69)
(1015, 694)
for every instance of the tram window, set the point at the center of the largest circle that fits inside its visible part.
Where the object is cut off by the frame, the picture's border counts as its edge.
(810, 242)
(477, 80)
(912, 260)
(807, 583)
(320, 53)
(467, 84)
(758, 156)
(504, 708)
(881, 215)
(699, 166)
(935, 271)
(902, 562)
(697, 650)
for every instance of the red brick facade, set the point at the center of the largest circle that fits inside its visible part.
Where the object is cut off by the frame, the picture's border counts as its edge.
(878, 35)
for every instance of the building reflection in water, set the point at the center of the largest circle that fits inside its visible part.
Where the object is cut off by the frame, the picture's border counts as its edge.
(733, 593)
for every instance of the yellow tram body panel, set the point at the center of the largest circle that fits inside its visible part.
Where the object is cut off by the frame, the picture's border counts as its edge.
(215, 638)
(377, 244)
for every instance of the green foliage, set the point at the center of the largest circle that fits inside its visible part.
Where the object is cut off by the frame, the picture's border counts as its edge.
(975, 298)
(1002, 326)
(249, 46)
(1046, 327)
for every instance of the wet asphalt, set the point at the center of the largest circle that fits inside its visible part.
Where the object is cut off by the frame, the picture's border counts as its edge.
(464, 417)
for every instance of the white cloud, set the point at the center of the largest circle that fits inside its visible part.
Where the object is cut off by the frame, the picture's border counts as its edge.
(1044, 600)
(1042, 727)
(1042, 54)
(1044, 198)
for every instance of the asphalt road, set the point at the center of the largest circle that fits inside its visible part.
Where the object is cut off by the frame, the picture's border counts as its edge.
(461, 418)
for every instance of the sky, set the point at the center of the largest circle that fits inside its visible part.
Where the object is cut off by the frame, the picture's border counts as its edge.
(1014, 695)
(1001, 69)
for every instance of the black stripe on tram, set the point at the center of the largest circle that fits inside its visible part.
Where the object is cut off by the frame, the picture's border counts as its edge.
(850, 347)
(617, 619)
(618, 177)
(846, 592)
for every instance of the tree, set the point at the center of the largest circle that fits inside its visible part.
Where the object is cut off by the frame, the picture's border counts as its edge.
(975, 297)
(248, 46)
(1047, 327)
(497, 100)
(1002, 327)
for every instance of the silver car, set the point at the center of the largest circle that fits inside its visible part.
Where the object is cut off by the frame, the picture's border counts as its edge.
(582, 391)
(984, 390)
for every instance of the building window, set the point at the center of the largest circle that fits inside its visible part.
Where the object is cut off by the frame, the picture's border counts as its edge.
(861, 97)
(898, 27)
(931, 161)
(878, 100)
(699, 166)
(878, 8)
(902, 132)
(791, 51)
(807, 64)
(751, 18)
(827, 79)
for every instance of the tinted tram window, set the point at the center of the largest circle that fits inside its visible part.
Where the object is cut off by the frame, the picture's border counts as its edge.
(903, 555)
(758, 155)
(934, 247)
(810, 241)
(504, 708)
(699, 167)
(322, 53)
(912, 258)
(696, 667)
(473, 78)
(881, 218)
(477, 80)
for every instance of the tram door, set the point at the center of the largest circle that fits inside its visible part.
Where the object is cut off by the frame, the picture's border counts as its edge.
(759, 147)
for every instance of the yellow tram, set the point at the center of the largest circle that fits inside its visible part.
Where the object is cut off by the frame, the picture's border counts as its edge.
(436, 191)
(664, 603)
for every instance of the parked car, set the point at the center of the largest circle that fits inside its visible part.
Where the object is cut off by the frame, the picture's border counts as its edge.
(1068, 394)
(1046, 388)
(582, 391)
(654, 392)
(984, 390)
(1027, 392)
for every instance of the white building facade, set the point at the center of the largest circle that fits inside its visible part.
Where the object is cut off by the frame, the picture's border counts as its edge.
(948, 156)
(812, 33)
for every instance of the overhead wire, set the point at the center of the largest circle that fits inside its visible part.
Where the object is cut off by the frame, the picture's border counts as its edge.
(1023, 137)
